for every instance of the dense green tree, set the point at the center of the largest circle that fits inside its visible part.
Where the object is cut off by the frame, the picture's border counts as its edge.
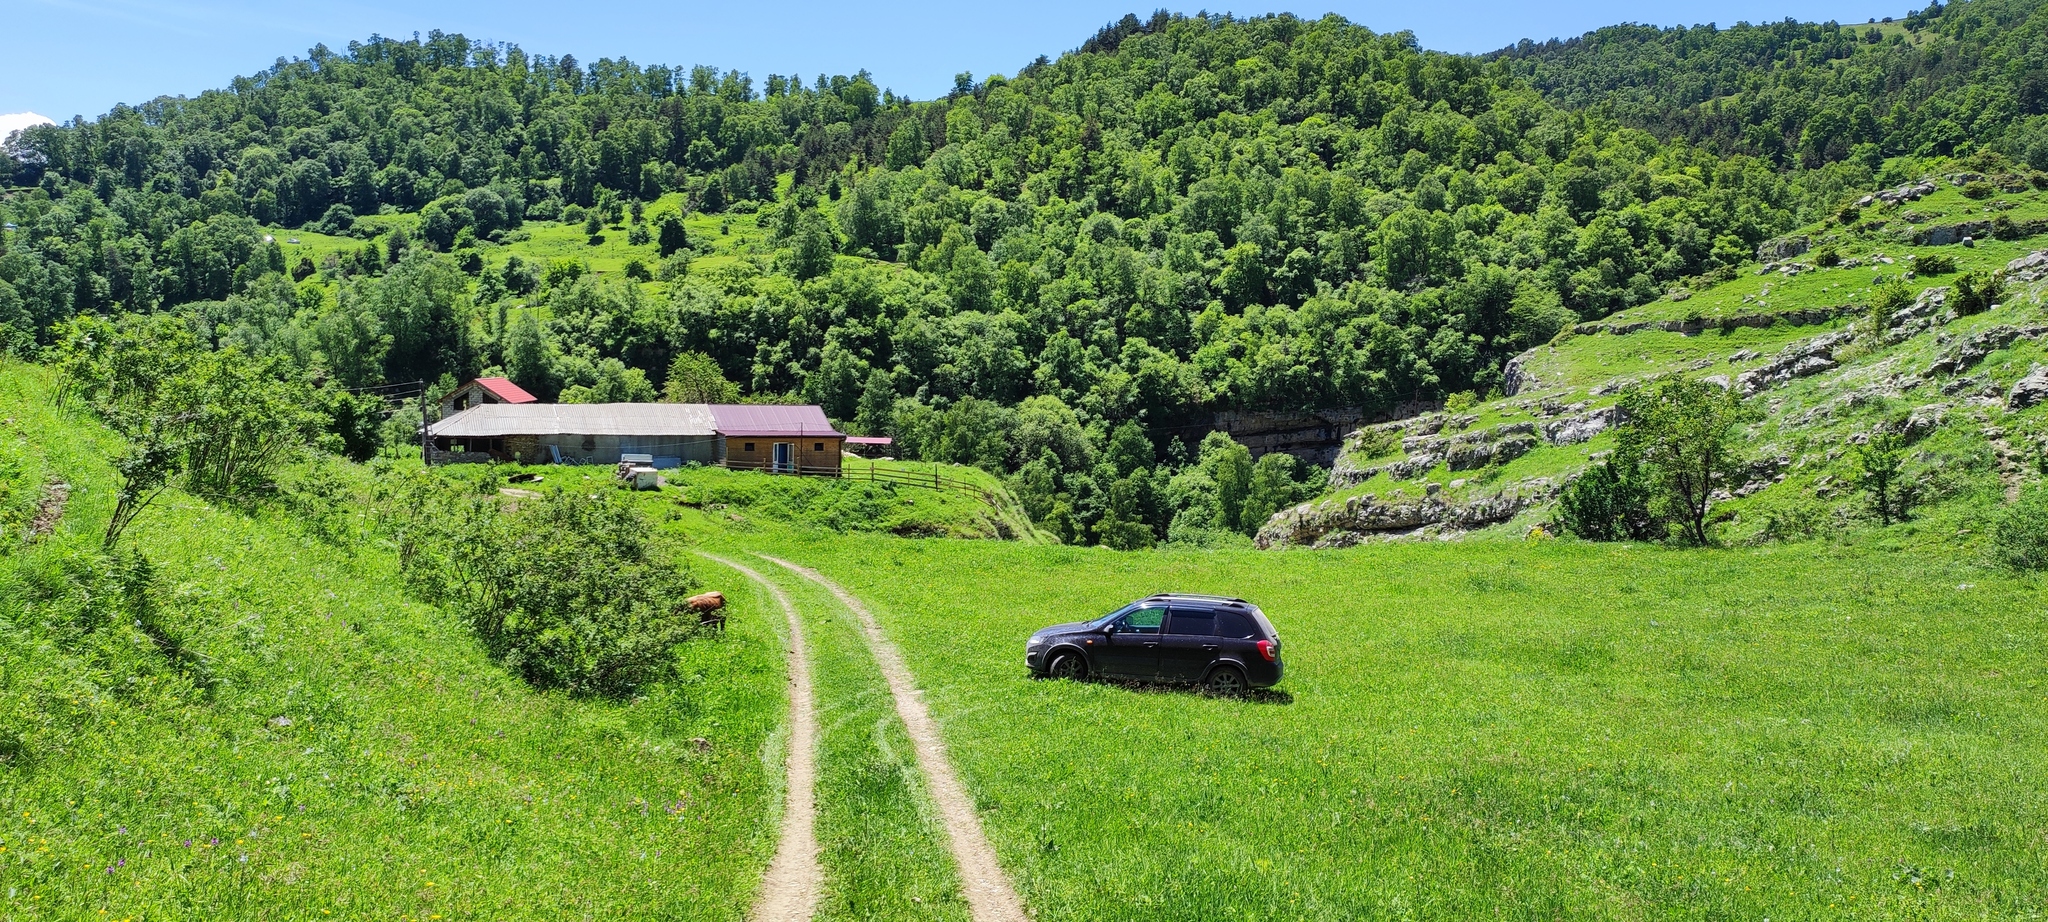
(1680, 433)
(695, 378)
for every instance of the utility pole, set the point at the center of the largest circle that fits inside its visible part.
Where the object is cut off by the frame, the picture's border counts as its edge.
(426, 441)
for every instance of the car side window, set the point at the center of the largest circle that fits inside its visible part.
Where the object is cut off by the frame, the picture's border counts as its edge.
(1142, 621)
(1200, 622)
(1231, 624)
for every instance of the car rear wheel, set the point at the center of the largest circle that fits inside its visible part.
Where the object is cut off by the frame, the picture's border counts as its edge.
(1068, 666)
(1227, 682)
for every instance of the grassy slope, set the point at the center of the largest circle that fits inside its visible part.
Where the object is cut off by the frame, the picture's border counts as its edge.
(414, 779)
(1503, 730)
(1806, 419)
(742, 500)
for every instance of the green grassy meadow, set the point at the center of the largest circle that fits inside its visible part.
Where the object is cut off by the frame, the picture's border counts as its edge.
(1502, 729)
(324, 747)
(1853, 727)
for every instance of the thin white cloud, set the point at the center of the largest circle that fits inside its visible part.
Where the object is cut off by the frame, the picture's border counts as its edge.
(9, 124)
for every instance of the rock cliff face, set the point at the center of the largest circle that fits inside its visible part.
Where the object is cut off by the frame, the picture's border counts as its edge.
(1694, 326)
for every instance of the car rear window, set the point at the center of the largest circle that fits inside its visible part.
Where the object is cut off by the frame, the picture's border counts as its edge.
(1231, 624)
(1195, 621)
(1265, 625)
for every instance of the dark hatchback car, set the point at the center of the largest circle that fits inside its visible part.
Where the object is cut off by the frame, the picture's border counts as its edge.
(1224, 645)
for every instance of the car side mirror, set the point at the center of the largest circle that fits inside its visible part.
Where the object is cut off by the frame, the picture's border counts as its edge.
(1111, 629)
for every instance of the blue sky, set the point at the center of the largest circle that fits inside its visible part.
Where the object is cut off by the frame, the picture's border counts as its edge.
(66, 57)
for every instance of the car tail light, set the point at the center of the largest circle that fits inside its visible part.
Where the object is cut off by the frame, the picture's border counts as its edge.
(1267, 649)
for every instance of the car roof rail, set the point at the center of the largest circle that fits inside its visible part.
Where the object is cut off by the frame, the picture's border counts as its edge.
(1198, 597)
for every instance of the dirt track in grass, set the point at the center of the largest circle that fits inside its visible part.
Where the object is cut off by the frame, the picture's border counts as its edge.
(989, 895)
(790, 889)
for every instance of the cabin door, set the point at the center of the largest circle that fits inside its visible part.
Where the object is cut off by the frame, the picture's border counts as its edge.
(785, 457)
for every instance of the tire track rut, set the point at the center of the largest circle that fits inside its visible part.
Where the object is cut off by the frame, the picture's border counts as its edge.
(791, 888)
(990, 898)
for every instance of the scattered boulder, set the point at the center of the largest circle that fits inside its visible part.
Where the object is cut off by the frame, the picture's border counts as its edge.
(1922, 422)
(1783, 247)
(2029, 391)
(1912, 191)
(2032, 267)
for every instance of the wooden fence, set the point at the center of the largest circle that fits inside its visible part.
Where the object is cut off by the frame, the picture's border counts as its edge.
(933, 480)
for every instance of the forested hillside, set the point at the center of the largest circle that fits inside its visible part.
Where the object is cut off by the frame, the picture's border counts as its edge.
(1059, 275)
(1947, 79)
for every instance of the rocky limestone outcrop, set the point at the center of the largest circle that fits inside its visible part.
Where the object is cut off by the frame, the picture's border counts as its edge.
(1910, 192)
(1798, 360)
(1963, 354)
(1462, 451)
(1358, 519)
(1693, 326)
(1581, 427)
(1945, 234)
(1515, 378)
(1922, 422)
(1469, 450)
(2032, 267)
(1927, 309)
(1783, 247)
(2029, 391)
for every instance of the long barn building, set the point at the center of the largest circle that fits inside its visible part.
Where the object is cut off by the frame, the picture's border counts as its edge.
(784, 439)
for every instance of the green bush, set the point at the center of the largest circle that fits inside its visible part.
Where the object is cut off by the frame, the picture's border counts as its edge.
(566, 590)
(2019, 534)
(1610, 502)
(1933, 264)
(1978, 189)
(1827, 257)
(1974, 293)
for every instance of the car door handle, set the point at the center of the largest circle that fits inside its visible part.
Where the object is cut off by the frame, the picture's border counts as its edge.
(1151, 643)
(1210, 647)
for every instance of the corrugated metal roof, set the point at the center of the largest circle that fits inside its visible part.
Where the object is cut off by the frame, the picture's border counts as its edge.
(507, 391)
(764, 420)
(494, 420)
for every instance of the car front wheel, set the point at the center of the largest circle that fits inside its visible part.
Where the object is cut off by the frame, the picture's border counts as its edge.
(1227, 682)
(1068, 666)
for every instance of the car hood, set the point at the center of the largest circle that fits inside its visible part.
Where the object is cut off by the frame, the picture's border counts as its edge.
(1068, 628)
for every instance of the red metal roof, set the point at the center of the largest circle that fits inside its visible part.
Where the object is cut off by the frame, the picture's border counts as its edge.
(766, 420)
(505, 390)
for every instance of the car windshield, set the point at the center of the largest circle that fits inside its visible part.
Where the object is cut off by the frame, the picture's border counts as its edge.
(1112, 616)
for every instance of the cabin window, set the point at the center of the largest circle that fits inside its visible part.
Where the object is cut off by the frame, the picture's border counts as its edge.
(748, 447)
(818, 446)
